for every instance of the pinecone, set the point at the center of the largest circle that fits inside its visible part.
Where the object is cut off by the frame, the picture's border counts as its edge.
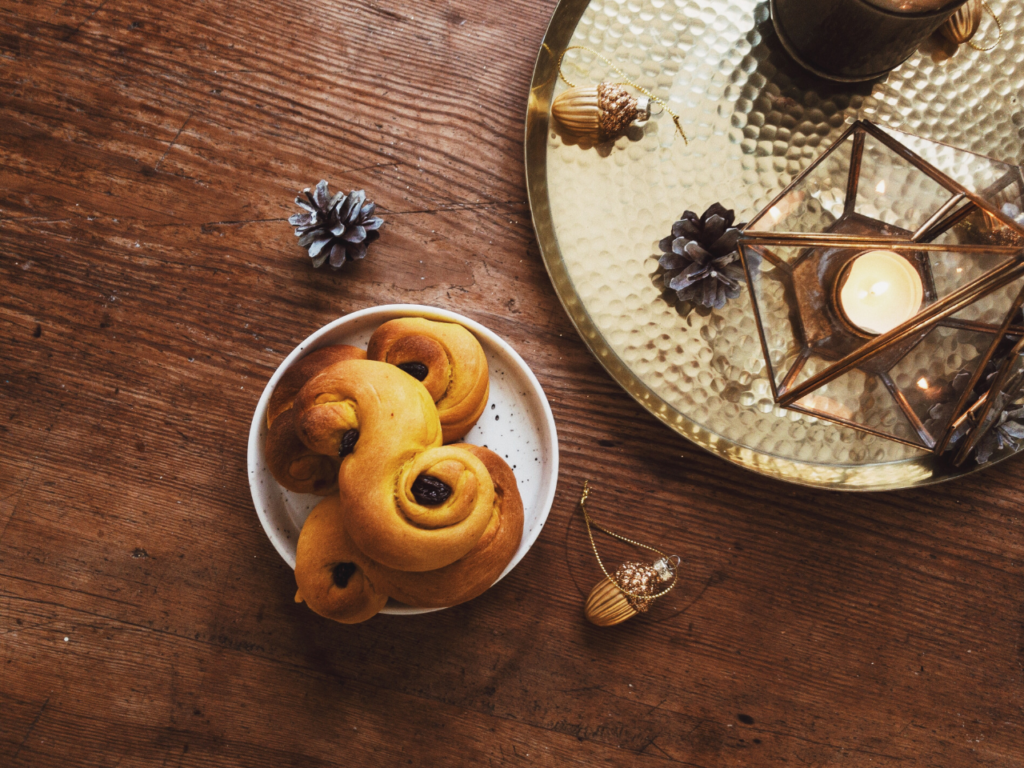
(944, 410)
(336, 229)
(700, 259)
(1007, 431)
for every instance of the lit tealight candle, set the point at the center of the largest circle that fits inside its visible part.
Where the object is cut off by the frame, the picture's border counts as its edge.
(882, 290)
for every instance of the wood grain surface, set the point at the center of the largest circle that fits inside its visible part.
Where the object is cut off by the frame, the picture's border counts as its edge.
(149, 286)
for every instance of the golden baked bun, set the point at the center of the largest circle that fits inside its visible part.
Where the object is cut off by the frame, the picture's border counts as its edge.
(472, 574)
(410, 503)
(302, 370)
(329, 579)
(292, 464)
(447, 359)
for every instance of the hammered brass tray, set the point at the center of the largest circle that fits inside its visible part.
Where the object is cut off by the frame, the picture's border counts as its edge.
(754, 120)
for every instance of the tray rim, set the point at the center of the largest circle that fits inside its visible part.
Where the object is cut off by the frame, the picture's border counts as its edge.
(918, 471)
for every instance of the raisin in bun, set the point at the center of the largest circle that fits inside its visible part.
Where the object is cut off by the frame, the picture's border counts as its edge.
(449, 361)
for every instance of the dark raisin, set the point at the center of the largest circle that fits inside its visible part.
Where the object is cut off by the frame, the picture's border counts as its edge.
(417, 370)
(342, 573)
(348, 442)
(429, 491)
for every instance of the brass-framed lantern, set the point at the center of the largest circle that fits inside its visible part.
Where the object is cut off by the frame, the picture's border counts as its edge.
(879, 277)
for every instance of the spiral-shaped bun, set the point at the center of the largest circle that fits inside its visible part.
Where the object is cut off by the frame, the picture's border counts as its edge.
(447, 359)
(304, 369)
(329, 578)
(410, 504)
(472, 574)
(341, 582)
(292, 464)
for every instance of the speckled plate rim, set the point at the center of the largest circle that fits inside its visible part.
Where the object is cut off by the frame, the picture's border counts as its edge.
(919, 471)
(535, 396)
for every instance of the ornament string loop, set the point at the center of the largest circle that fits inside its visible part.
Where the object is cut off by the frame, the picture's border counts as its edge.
(999, 30)
(625, 81)
(591, 524)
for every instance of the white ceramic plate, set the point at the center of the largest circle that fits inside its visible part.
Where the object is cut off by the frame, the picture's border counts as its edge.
(517, 424)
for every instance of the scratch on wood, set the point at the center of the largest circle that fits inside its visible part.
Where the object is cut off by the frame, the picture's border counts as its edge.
(66, 589)
(393, 163)
(835, 747)
(31, 728)
(651, 743)
(389, 13)
(29, 627)
(459, 206)
(84, 21)
(655, 708)
(33, 468)
(57, 10)
(173, 141)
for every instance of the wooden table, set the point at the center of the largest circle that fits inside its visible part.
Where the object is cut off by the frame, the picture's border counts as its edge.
(150, 285)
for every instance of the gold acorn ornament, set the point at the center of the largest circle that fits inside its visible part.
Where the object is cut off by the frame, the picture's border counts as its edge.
(630, 591)
(961, 27)
(600, 113)
(634, 586)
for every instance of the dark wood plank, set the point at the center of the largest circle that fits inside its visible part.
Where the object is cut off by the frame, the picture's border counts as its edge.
(150, 285)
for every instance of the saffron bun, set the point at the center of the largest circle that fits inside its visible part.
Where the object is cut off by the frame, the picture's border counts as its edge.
(448, 360)
(473, 573)
(386, 424)
(327, 573)
(340, 582)
(292, 464)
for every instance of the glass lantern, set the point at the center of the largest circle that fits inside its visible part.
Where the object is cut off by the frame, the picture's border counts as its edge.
(884, 278)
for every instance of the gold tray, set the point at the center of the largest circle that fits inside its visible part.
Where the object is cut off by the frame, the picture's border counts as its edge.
(754, 120)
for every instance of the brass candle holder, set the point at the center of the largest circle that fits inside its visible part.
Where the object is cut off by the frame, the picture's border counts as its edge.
(882, 276)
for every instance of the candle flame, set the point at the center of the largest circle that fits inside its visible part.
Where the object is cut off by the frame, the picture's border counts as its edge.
(775, 213)
(922, 383)
(880, 189)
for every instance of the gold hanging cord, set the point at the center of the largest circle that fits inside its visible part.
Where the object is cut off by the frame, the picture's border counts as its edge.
(591, 524)
(999, 30)
(625, 81)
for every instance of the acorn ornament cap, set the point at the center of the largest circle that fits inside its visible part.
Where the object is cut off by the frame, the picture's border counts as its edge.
(599, 113)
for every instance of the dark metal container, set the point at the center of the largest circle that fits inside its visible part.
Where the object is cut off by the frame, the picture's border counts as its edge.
(852, 40)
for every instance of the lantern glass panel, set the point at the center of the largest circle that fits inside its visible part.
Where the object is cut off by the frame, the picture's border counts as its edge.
(862, 400)
(816, 202)
(994, 181)
(893, 190)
